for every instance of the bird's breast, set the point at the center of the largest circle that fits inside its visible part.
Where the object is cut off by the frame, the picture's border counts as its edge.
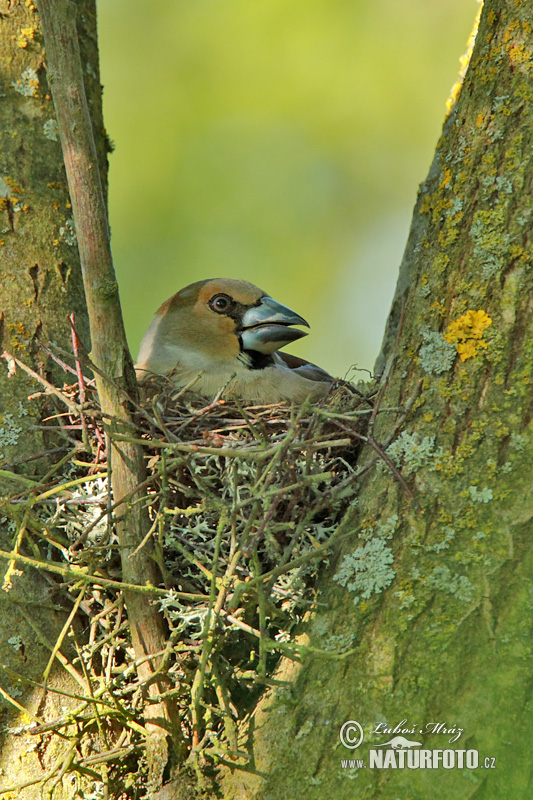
(273, 384)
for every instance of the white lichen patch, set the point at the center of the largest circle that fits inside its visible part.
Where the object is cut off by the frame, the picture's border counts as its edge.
(517, 442)
(387, 528)
(51, 130)
(444, 544)
(67, 233)
(412, 451)
(81, 514)
(367, 570)
(444, 580)
(9, 430)
(28, 83)
(436, 354)
(480, 495)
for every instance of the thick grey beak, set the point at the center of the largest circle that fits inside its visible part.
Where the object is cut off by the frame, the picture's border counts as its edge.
(265, 327)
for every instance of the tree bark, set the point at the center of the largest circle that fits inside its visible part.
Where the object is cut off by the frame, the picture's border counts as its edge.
(41, 285)
(441, 633)
(114, 375)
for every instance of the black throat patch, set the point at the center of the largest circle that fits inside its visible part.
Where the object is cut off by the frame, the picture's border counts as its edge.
(255, 360)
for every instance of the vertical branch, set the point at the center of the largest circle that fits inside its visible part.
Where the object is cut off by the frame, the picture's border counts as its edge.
(115, 379)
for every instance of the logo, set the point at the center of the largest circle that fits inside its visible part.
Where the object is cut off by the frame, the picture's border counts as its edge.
(351, 734)
(399, 743)
(401, 752)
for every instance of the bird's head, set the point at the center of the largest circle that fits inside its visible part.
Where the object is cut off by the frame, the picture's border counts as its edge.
(215, 321)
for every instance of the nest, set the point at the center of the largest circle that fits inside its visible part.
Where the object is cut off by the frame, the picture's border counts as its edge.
(245, 505)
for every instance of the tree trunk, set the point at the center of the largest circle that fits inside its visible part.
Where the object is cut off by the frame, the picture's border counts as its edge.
(437, 625)
(41, 285)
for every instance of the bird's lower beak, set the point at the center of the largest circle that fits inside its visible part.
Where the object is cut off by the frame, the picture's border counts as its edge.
(266, 327)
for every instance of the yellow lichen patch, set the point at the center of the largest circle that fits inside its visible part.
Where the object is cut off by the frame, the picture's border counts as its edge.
(438, 307)
(20, 336)
(447, 236)
(440, 263)
(519, 54)
(469, 348)
(466, 333)
(13, 185)
(446, 177)
(426, 204)
(25, 36)
(511, 30)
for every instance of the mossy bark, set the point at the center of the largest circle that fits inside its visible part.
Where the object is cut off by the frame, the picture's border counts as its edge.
(447, 639)
(41, 284)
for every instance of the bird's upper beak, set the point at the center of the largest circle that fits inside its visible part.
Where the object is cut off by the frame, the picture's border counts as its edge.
(266, 327)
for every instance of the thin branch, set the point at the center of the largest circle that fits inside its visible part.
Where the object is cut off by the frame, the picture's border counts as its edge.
(77, 574)
(111, 357)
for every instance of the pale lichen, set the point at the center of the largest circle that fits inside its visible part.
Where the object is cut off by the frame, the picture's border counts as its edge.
(412, 451)
(67, 233)
(9, 430)
(367, 570)
(387, 528)
(28, 83)
(51, 130)
(517, 441)
(444, 544)
(484, 495)
(436, 354)
(444, 580)
(488, 232)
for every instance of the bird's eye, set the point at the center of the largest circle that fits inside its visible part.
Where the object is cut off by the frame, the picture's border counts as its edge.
(220, 303)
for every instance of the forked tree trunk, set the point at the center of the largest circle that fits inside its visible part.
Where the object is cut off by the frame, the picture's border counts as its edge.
(441, 633)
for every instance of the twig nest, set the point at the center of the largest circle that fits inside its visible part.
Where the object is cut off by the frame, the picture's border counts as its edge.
(245, 504)
(262, 486)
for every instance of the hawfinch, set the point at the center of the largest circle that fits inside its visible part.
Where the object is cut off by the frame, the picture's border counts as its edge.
(224, 335)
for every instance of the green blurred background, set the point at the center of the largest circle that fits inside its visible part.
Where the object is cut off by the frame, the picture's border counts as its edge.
(281, 142)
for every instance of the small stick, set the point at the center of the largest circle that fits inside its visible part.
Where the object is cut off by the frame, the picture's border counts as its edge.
(76, 351)
(74, 407)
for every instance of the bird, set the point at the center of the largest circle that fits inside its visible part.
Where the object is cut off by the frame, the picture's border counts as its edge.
(222, 336)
